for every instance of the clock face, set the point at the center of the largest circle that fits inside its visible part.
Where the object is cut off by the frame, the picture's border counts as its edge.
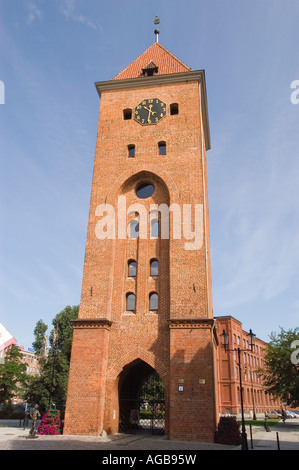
(150, 111)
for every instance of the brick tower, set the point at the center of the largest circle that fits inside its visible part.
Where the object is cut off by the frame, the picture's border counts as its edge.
(146, 302)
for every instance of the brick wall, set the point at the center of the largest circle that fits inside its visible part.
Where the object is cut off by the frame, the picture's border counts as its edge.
(183, 351)
(254, 397)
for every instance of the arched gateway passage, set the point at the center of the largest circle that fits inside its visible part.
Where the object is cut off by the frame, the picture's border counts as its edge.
(141, 400)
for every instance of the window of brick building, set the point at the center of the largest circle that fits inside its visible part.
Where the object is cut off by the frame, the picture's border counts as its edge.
(174, 109)
(127, 113)
(155, 228)
(154, 267)
(130, 302)
(162, 148)
(132, 268)
(153, 300)
(145, 190)
(131, 151)
(134, 229)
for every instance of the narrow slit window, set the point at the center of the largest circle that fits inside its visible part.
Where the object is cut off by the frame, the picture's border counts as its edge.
(162, 148)
(174, 109)
(127, 114)
(155, 228)
(132, 268)
(153, 301)
(131, 151)
(134, 229)
(130, 302)
(154, 267)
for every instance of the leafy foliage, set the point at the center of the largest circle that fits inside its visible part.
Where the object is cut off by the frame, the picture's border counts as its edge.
(12, 374)
(152, 388)
(51, 385)
(39, 344)
(280, 373)
(228, 431)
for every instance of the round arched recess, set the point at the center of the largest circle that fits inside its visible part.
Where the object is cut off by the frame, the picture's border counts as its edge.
(143, 179)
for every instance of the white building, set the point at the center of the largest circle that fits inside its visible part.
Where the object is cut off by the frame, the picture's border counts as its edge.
(6, 341)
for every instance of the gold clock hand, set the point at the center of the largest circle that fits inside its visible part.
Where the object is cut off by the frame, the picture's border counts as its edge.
(150, 112)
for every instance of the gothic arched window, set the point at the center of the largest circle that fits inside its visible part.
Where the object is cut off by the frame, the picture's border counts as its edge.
(153, 301)
(130, 302)
(131, 151)
(134, 229)
(154, 267)
(155, 228)
(132, 268)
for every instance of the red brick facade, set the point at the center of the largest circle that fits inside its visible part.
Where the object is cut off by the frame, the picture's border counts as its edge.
(113, 346)
(255, 400)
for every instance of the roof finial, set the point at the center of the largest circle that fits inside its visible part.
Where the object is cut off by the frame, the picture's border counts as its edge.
(157, 21)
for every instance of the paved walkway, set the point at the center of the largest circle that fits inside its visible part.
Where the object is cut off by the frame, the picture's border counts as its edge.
(16, 438)
(282, 436)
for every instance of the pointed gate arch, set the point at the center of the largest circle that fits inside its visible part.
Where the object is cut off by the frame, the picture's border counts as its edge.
(141, 399)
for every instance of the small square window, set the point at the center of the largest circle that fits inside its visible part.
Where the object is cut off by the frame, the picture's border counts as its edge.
(174, 109)
(131, 151)
(162, 148)
(127, 114)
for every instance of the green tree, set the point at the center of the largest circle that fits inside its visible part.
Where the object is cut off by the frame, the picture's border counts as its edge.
(12, 374)
(39, 344)
(152, 388)
(64, 330)
(281, 371)
(51, 385)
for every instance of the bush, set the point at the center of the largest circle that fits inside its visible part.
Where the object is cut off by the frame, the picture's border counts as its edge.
(17, 414)
(50, 424)
(150, 414)
(6, 414)
(228, 432)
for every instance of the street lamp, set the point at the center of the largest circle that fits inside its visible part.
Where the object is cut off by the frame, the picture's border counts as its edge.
(54, 353)
(225, 342)
(252, 342)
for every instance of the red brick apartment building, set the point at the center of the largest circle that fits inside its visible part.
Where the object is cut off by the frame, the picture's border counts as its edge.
(30, 359)
(255, 400)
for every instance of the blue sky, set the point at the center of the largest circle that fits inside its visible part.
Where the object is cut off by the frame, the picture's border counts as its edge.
(52, 52)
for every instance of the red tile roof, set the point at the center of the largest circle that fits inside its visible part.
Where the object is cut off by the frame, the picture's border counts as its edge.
(162, 58)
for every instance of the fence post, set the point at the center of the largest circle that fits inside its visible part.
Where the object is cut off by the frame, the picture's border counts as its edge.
(277, 438)
(251, 436)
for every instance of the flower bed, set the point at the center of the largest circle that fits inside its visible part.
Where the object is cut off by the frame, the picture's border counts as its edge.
(50, 423)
